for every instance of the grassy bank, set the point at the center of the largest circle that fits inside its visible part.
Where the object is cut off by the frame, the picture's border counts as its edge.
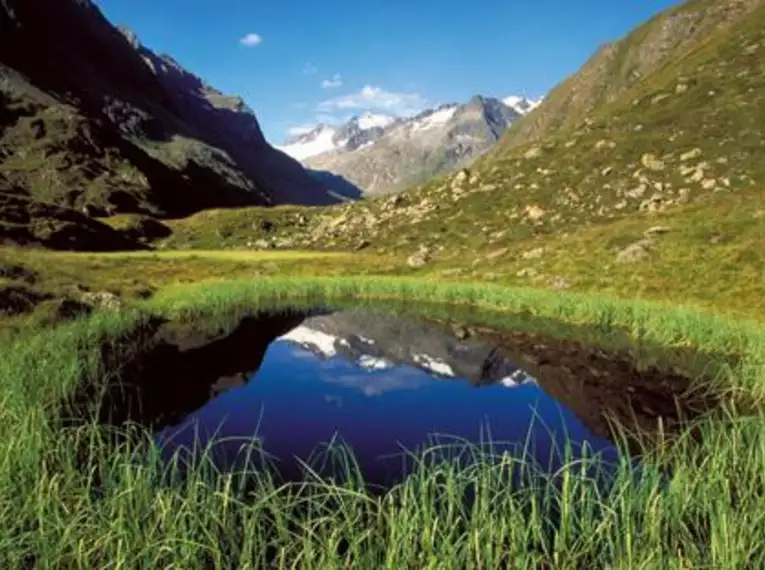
(113, 513)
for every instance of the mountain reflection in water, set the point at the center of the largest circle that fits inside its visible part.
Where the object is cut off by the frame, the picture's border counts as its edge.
(383, 385)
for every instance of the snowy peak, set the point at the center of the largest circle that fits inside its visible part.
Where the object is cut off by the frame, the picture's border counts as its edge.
(522, 105)
(366, 130)
(357, 132)
(370, 120)
(318, 140)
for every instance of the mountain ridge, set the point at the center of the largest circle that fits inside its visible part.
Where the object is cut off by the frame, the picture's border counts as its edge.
(391, 154)
(95, 121)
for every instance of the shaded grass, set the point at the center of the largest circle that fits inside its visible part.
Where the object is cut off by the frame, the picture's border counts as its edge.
(113, 511)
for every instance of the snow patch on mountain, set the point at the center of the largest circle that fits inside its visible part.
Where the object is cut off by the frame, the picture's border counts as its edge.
(308, 337)
(435, 119)
(316, 141)
(522, 105)
(370, 121)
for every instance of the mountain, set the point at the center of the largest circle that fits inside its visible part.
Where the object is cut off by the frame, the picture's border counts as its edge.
(93, 120)
(375, 340)
(381, 155)
(687, 138)
(667, 173)
(617, 67)
(358, 132)
(522, 105)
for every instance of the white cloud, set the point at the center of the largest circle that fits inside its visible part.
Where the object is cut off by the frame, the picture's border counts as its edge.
(310, 69)
(376, 98)
(335, 81)
(300, 130)
(251, 40)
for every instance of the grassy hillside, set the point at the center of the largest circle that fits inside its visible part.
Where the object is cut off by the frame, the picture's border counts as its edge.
(618, 66)
(660, 192)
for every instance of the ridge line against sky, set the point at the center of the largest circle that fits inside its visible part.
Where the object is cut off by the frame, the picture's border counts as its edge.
(298, 63)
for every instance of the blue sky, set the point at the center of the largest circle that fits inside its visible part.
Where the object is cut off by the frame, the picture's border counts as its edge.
(296, 62)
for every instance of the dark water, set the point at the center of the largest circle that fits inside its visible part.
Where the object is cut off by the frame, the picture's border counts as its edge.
(381, 385)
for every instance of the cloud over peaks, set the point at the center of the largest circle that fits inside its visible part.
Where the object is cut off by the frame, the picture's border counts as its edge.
(251, 40)
(371, 98)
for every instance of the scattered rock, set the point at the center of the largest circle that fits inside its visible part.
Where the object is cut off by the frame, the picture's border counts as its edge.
(535, 253)
(653, 204)
(681, 88)
(534, 212)
(652, 162)
(533, 152)
(637, 192)
(103, 300)
(658, 98)
(453, 272)
(606, 171)
(603, 143)
(691, 154)
(420, 258)
(460, 177)
(460, 332)
(751, 48)
(635, 252)
(363, 244)
(708, 183)
(497, 253)
(656, 230)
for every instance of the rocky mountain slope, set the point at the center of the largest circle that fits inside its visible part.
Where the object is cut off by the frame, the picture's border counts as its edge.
(91, 119)
(671, 170)
(381, 154)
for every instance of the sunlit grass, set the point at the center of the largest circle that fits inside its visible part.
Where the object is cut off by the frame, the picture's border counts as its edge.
(114, 508)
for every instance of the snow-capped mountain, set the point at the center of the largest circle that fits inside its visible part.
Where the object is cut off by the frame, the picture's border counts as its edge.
(376, 341)
(357, 132)
(380, 155)
(522, 105)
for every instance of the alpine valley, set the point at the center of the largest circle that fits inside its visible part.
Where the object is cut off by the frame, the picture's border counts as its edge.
(594, 257)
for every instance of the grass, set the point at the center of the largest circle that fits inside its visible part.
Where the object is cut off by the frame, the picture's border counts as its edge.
(114, 511)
